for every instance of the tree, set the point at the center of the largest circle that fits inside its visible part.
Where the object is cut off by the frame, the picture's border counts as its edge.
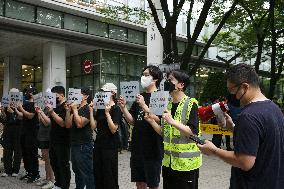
(169, 35)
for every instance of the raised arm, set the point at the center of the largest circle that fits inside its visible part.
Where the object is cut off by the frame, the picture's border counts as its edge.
(122, 104)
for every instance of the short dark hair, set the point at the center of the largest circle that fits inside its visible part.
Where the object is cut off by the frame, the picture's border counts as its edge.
(181, 76)
(87, 91)
(242, 73)
(59, 90)
(155, 72)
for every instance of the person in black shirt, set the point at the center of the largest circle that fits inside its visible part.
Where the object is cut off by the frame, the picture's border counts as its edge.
(106, 151)
(29, 136)
(81, 141)
(258, 157)
(59, 147)
(11, 140)
(146, 145)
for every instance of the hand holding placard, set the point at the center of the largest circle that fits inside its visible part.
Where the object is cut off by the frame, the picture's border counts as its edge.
(101, 99)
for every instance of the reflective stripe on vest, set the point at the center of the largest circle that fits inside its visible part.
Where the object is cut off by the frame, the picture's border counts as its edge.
(183, 154)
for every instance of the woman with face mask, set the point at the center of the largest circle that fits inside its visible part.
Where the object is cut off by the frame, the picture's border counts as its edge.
(146, 144)
(107, 122)
(81, 134)
(182, 158)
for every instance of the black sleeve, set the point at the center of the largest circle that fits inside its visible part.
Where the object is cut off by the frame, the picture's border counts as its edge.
(85, 112)
(193, 121)
(30, 108)
(116, 115)
(247, 135)
(133, 108)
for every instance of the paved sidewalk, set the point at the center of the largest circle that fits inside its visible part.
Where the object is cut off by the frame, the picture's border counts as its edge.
(214, 174)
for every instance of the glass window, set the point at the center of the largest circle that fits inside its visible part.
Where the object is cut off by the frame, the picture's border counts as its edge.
(117, 32)
(110, 62)
(28, 73)
(123, 64)
(49, 17)
(68, 67)
(1, 7)
(38, 73)
(75, 23)
(76, 66)
(97, 28)
(181, 46)
(20, 11)
(135, 36)
(132, 69)
(87, 81)
(76, 81)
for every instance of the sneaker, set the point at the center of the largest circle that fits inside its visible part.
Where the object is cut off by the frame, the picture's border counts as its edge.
(33, 179)
(26, 176)
(4, 175)
(15, 175)
(48, 185)
(41, 182)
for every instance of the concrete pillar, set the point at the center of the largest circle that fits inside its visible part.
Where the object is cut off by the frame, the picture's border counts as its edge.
(154, 38)
(54, 65)
(12, 73)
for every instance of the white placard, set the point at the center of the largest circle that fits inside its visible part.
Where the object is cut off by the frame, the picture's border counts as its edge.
(15, 98)
(5, 101)
(74, 95)
(38, 100)
(101, 99)
(158, 102)
(129, 90)
(169, 67)
(49, 98)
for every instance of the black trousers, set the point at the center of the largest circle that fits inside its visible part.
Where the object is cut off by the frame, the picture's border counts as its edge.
(180, 179)
(106, 168)
(217, 139)
(30, 153)
(12, 153)
(59, 155)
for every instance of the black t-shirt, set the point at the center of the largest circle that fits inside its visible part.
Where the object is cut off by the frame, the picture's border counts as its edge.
(259, 132)
(146, 143)
(193, 117)
(105, 138)
(30, 126)
(85, 134)
(59, 134)
(12, 123)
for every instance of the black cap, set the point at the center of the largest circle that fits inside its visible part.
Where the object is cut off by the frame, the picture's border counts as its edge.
(30, 89)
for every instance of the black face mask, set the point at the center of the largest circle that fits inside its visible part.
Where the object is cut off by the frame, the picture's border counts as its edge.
(169, 86)
(233, 100)
(28, 96)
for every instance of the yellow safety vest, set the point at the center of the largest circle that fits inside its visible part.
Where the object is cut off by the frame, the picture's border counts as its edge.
(180, 153)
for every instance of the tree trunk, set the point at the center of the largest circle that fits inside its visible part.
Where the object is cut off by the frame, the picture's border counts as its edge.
(257, 62)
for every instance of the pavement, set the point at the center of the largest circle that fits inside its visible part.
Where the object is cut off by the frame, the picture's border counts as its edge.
(214, 174)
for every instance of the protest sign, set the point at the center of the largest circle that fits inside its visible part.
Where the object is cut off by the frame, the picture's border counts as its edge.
(74, 95)
(169, 67)
(38, 100)
(101, 99)
(15, 98)
(158, 102)
(49, 98)
(5, 101)
(129, 90)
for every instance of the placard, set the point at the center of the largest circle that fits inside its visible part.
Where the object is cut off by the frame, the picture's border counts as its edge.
(38, 100)
(129, 90)
(5, 101)
(74, 95)
(169, 67)
(15, 98)
(214, 129)
(49, 98)
(101, 99)
(158, 102)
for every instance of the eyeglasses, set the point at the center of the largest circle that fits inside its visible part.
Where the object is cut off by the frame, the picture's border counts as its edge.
(232, 88)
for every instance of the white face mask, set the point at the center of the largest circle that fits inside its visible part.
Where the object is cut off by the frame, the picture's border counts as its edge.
(146, 81)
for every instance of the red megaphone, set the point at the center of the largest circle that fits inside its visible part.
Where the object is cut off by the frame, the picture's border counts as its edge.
(208, 112)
